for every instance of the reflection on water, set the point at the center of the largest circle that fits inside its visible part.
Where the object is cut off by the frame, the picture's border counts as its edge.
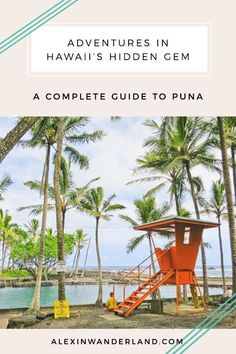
(76, 294)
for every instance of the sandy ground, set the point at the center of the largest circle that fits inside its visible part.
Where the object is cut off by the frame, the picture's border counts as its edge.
(93, 317)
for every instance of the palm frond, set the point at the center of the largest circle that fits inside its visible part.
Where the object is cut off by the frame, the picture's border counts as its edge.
(145, 179)
(76, 157)
(155, 189)
(73, 124)
(131, 221)
(34, 185)
(114, 207)
(86, 138)
(134, 242)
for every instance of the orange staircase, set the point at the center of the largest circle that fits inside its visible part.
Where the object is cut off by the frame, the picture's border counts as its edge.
(142, 292)
(148, 280)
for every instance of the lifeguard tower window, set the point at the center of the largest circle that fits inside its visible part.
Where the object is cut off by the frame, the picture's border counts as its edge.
(187, 238)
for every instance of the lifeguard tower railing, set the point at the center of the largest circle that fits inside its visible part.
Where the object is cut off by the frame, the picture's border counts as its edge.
(142, 272)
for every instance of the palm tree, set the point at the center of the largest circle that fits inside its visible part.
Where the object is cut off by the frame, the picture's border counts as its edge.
(186, 141)
(43, 137)
(146, 211)
(230, 135)
(32, 228)
(86, 257)
(96, 206)
(217, 205)
(14, 136)
(70, 193)
(47, 128)
(8, 235)
(229, 197)
(45, 134)
(80, 242)
(156, 164)
(59, 221)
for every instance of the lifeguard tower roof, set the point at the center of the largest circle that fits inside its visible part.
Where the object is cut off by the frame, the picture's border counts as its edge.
(168, 224)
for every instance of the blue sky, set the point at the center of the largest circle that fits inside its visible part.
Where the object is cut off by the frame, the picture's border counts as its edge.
(113, 160)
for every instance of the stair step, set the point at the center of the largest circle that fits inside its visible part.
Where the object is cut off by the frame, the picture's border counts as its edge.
(119, 311)
(141, 290)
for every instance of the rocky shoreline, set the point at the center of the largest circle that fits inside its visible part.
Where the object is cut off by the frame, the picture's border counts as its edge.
(91, 278)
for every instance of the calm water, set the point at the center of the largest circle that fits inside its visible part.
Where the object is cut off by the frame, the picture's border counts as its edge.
(76, 294)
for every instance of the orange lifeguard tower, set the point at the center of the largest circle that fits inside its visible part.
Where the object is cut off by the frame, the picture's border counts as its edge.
(176, 264)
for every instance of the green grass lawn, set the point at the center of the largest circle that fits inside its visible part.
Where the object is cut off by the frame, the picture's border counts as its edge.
(16, 273)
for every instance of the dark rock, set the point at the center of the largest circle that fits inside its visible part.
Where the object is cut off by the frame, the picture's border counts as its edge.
(50, 314)
(41, 316)
(22, 321)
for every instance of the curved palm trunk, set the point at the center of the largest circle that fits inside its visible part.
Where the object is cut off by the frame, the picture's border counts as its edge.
(73, 265)
(99, 301)
(177, 206)
(151, 252)
(234, 170)
(203, 253)
(77, 262)
(221, 256)
(35, 303)
(86, 258)
(185, 295)
(4, 257)
(9, 262)
(59, 222)
(12, 138)
(229, 198)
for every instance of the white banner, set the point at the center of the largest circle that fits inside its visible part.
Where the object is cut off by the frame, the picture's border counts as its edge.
(156, 341)
(120, 49)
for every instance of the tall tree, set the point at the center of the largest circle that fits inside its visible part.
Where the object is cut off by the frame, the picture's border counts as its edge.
(80, 242)
(59, 221)
(96, 206)
(230, 136)
(146, 211)
(174, 178)
(70, 193)
(187, 141)
(217, 206)
(86, 257)
(14, 136)
(8, 236)
(35, 303)
(45, 134)
(229, 196)
(33, 228)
